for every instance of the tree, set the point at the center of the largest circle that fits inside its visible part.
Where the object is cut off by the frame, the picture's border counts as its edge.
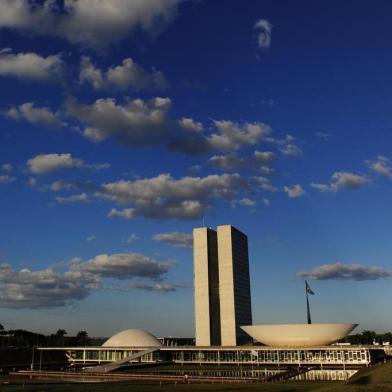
(368, 337)
(82, 338)
(60, 334)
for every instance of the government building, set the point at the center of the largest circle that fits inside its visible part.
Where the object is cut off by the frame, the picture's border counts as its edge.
(224, 334)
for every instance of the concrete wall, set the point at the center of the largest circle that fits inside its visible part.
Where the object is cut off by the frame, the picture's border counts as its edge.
(207, 320)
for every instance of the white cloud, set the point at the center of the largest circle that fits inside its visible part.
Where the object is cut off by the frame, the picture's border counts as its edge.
(164, 197)
(81, 198)
(126, 213)
(137, 123)
(42, 289)
(232, 136)
(30, 66)
(190, 125)
(59, 185)
(228, 162)
(6, 179)
(381, 165)
(6, 167)
(265, 184)
(294, 191)
(264, 156)
(232, 162)
(264, 31)
(90, 238)
(132, 238)
(176, 239)
(48, 288)
(266, 201)
(158, 287)
(121, 77)
(247, 202)
(95, 23)
(340, 271)
(290, 150)
(341, 180)
(35, 115)
(46, 163)
(123, 266)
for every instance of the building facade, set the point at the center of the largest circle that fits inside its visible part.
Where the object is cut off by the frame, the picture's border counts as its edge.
(222, 286)
(234, 285)
(206, 279)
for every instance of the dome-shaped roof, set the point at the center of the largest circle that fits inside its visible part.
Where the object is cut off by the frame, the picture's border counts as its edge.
(132, 338)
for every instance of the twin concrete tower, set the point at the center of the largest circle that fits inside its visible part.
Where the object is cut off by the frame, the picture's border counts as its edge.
(222, 286)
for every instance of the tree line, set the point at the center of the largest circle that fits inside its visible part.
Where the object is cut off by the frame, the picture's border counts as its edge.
(24, 338)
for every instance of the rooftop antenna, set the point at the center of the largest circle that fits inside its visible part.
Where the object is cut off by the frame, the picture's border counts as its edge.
(308, 290)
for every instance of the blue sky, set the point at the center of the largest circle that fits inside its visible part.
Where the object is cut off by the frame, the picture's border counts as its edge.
(126, 124)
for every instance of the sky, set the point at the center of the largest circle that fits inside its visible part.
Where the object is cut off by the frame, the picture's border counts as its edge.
(125, 124)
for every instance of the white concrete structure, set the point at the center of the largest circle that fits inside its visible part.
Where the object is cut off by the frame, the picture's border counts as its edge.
(222, 286)
(133, 338)
(206, 278)
(298, 335)
(234, 285)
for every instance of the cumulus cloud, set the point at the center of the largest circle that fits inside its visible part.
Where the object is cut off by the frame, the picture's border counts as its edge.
(232, 135)
(380, 165)
(6, 179)
(49, 288)
(264, 32)
(233, 162)
(176, 239)
(35, 115)
(141, 122)
(81, 198)
(46, 163)
(29, 66)
(95, 23)
(190, 125)
(294, 191)
(123, 266)
(45, 288)
(121, 77)
(226, 136)
(340, 271)
(164, 197)
(228, 162)
(341, 180)
(137, 123)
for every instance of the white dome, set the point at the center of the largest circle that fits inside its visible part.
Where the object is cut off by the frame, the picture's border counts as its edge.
(132, 338)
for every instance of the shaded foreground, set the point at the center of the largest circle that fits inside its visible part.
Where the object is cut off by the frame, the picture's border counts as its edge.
(375, 379)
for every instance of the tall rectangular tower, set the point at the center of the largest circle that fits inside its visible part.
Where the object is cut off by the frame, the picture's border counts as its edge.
(206, 278)
(234, 285)
(222, 286)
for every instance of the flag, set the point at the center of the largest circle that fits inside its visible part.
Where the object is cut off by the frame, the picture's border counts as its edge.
(308, 289)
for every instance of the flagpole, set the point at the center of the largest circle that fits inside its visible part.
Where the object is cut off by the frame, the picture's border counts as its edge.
(307, 304)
